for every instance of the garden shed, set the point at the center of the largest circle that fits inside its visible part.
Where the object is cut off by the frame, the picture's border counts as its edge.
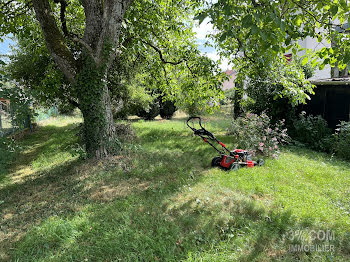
(331, 100)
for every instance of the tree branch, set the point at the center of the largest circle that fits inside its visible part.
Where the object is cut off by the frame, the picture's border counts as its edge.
(87, 47)
(6, 4)
(161, 54)
(63, 4)
(165, 74)
(244, 52)
(93, 21)
(189, 68)
(113, 15)
(72, 102)
(54, 39)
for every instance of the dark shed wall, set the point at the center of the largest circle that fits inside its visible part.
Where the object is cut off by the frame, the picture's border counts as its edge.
(332, 102)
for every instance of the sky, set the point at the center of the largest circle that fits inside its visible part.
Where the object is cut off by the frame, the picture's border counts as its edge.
(201, 31)
(5, 46)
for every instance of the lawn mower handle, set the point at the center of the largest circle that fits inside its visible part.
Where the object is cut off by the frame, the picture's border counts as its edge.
(194, 117)
(202, 132)
(205, 135)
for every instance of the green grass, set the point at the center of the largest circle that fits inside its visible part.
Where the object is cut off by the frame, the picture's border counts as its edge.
(161, 201)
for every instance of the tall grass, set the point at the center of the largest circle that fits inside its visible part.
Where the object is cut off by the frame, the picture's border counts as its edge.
(161, 201)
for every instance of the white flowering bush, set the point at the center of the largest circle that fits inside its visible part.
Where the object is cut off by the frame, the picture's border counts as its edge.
(256, 134)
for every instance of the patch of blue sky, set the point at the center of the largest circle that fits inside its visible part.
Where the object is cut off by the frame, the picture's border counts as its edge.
(5, 46)
(202, 31)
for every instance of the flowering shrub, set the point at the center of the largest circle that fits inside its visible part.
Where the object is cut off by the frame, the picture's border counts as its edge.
(256, 134)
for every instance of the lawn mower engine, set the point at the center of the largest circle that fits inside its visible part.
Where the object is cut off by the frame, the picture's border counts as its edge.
(236, 159)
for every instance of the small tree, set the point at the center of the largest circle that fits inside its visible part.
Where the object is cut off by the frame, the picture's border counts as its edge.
(21, 104)
(267, 91)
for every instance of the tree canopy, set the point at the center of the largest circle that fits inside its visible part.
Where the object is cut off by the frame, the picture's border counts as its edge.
(94, 44)
(87, 39)
(254, 34)
(164, 53)
(266, 28)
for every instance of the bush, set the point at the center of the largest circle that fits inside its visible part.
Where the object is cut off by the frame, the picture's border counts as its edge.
(229, 97)
(256, 134)
(66, 109)
(192, 109)
(129, 100)
(342, 140)
(167, 109)
(8, 151)
(149, 113)
(313, 131)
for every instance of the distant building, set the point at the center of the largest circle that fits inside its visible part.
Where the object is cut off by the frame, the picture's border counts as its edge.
(331, 100)
(313, 44)
(4, 105)
(332, 93)
(230, 83)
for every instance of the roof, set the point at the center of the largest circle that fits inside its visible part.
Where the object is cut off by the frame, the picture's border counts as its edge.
(230, 82)
(332, 81)
(230, 72)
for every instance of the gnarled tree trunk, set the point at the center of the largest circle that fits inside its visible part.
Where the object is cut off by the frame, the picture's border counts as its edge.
(99, 129)
(87, 71)
(95, 104)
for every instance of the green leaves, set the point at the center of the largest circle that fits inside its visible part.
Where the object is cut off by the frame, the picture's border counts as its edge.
(305, 60)
(247, 21)
(334, 9)
(346, 58)
(200, 17)
(298, 21)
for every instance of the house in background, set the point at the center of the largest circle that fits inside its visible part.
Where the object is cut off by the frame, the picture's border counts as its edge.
(230, 83)
(4, 104)
(313, 44)
(331, 100)
(332, 93)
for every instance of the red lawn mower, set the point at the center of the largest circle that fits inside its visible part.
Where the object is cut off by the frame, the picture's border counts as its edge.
(228, 160)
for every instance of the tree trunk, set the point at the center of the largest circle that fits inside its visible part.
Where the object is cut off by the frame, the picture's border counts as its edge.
(88, 72)
(95, 104)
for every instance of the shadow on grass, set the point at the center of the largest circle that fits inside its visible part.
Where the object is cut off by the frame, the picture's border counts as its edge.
(30, 194)
(138, 207)
(142, 227)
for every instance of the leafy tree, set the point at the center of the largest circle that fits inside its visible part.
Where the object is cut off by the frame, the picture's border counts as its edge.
(253, 34)
(272, 89)
(32, 66)
(84, 39)
(21, 101)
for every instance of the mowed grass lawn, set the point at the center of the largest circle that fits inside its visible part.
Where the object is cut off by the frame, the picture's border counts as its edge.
(161, 201)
